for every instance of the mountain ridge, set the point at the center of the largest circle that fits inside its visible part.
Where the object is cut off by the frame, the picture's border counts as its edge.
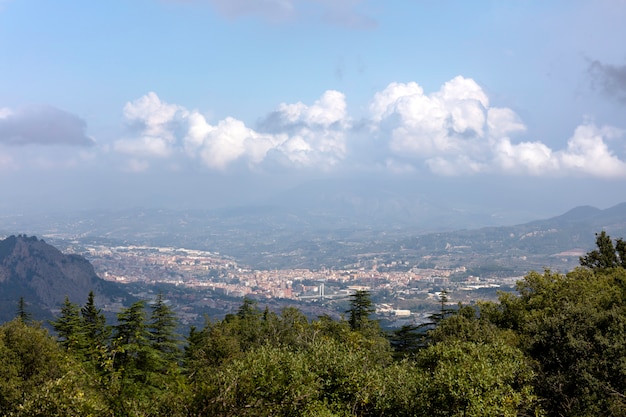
(43, 275)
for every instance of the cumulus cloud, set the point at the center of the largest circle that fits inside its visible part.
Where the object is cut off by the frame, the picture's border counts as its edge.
(337, 12)
(587, 153)
(229, 141)
(42, 125)
(533, 158)
(155, 122)
(295, 134)
(609, 79)
(452, 131)
(447, 121)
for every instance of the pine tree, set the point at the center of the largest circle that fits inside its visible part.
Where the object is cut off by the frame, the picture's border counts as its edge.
(405, 340)
(94, 328)
(361, 307)
(22, 312)
(134, 355)
(162, 328)
(69, 326)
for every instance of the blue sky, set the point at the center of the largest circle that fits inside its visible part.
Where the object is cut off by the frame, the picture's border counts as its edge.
(216, 102)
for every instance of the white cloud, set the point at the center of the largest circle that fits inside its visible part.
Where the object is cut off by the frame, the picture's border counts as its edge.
(452, 131)
(302, 135)
(588, 153)
(231, 140)
(329, 109)
(502, 122)
(155, 124)
(316, 134)
(447, 121)
(532, 158)
(152, 116)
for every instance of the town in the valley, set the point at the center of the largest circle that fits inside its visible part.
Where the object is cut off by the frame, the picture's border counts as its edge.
(402, 292)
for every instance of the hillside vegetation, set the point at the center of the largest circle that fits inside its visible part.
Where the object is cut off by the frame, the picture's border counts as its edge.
(556, 348)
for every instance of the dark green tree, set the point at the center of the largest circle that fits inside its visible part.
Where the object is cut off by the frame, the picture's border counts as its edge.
(444, 310)
(423, 332)
(606, 255)
(143, 381)
(69, 327)
(134, 355)
(475, 379)
(573, 327)
(247, 324)
(37, 378)
(22, 311)
(95, 330)
(405, 341)
(361, 307)
(162, 328)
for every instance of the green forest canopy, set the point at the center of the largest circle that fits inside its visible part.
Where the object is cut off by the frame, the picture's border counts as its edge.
(557, 347)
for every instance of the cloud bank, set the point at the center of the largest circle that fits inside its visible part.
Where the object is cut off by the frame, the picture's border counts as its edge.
(295, 135)
(452, 131)
(42, 125)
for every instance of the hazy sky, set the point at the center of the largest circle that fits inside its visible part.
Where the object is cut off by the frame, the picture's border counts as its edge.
(207, 102)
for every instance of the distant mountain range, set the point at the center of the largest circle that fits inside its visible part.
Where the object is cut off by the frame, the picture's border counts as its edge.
(43, 276)
(555, 243)
(268, 238)
(321, 233)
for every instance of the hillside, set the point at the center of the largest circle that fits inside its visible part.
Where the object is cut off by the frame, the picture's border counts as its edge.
(43, 275)
(271, 238)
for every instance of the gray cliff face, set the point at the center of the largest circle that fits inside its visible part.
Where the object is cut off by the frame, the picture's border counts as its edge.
(44, 276)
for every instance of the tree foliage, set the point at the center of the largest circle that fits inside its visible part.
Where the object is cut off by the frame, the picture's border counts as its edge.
(606, 255)
(555, 347)
(22, 312)
(361, 307)
(69, 326)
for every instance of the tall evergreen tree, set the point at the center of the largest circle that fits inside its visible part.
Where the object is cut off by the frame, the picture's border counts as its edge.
(69, 326)
(22, 312)
(405, 341)
(162, 328)
(361, 307)
(94, 328)
(444, 311)
(247, 323)
(134, 355)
